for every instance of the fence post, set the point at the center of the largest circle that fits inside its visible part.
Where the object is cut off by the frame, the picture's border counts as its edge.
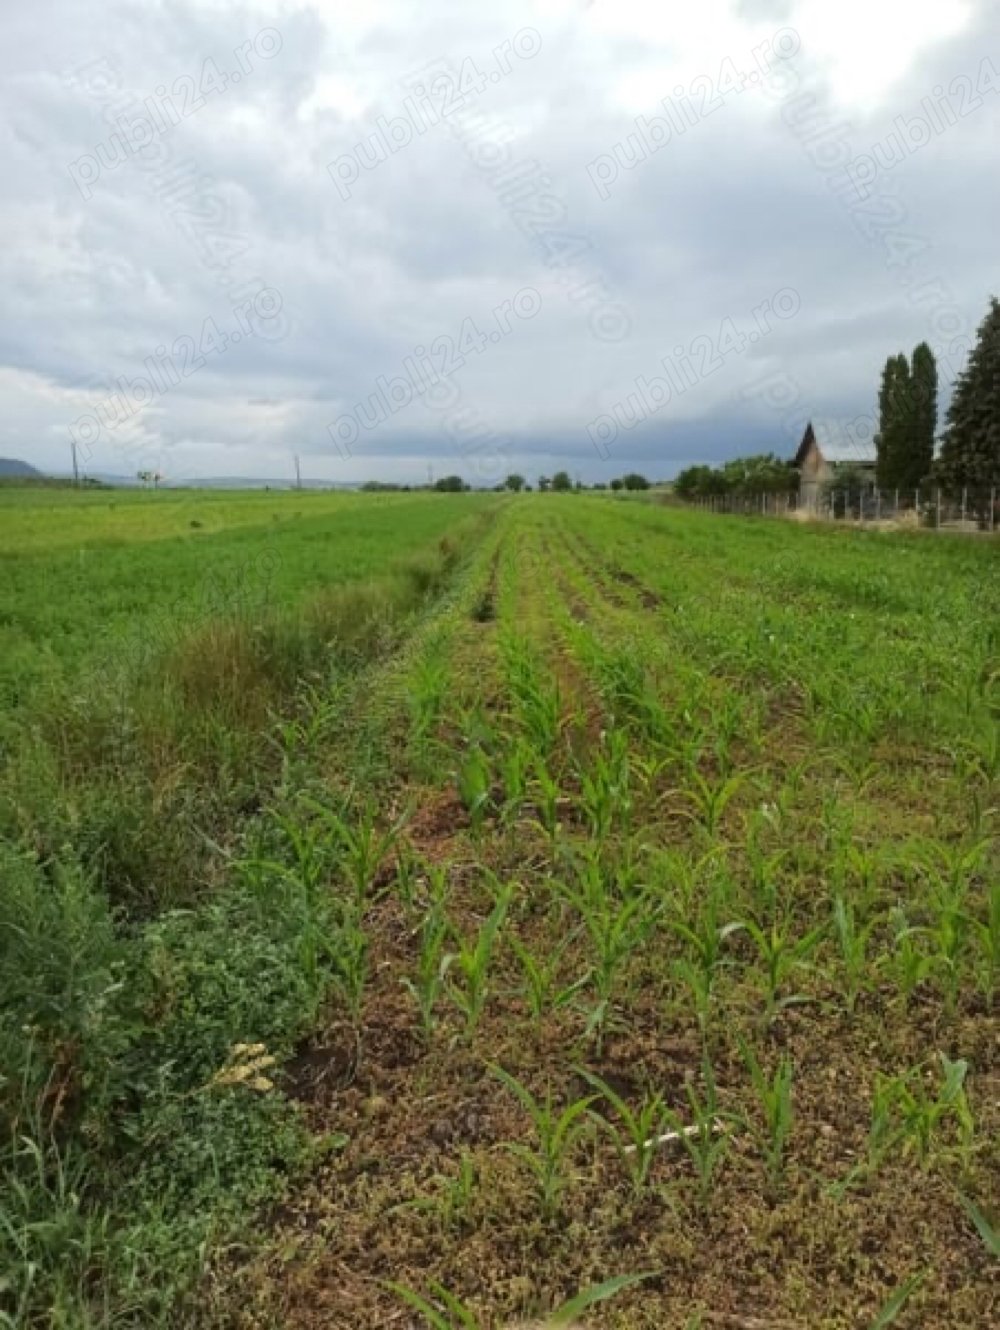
(895, 504)
(938, 519)
(878, 505)
(964, 493)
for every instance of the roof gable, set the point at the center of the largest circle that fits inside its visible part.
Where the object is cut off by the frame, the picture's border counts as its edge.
(836, 453)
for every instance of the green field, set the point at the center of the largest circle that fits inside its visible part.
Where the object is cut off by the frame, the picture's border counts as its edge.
(382, 877)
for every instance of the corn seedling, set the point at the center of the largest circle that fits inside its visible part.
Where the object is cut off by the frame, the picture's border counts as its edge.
(909, 961)
(349, 956)
(605, 793)
(897, 1302)
(615, 931)
(904, 1111)
(363, 845)
(710, 799)
(428, 688)
(636, 1133)
(852, 942)
(542, 992)
(557, 1134)
(515, 768)
(774, 1096)
(710, 1141)
(427, 987)
(781, 955)
(537, 703)
(451, 1313)
(988, 1232)
(466, 969)
(705, 946)
(545, 790)
(474, 785)
(453, 1195)
(987, 936)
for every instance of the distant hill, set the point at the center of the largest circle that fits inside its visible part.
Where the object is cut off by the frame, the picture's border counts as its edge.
(12, 466)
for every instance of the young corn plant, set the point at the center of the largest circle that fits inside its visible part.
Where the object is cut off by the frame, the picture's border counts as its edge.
(466, 969)
(710, 799)
(616, 929)
(545, 790)
(426, 988)
(704, 942)
(450, 1313)
(515, 767)
(537, 703)
(605, 789)
(542, 990)
(906, 1113)
(636, 1134)
(780, 955)
(632, 697)
(988, 1232)
(853, 942)
(350, 959)
(986, 934)
(473, 780)
(426, 696)
(363, 845)
(455, 1194)
(557, 1134)
(774, 1095)
(709, 1144)
(909, 962)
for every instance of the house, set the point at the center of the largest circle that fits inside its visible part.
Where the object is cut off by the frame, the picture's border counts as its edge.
(818, 464)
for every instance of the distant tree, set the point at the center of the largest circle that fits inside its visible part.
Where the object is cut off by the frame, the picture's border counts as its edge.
(698, 482)
(527, 489)
(920, 455)
(514, 482)
(543, 483)
(633, 481)
(561, 481)
(617, 484)
(450, 484)
(970, 448)
(762, 473)
(599, 485)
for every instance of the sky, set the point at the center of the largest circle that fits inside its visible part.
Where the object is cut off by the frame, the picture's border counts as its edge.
(397, 241)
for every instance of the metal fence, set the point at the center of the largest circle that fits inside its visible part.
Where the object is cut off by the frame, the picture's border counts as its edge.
(967, 510)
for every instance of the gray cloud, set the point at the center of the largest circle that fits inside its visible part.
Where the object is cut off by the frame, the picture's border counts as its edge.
(702, 230)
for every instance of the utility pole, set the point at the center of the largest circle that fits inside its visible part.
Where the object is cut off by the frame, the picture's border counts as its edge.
(298, 473)
(76, 469)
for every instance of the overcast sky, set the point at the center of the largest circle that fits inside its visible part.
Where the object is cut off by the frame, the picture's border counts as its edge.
(392, 237)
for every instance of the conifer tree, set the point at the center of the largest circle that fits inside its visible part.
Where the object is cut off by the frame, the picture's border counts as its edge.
(970, 450)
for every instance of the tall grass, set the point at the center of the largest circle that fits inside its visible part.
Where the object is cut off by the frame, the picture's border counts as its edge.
(158, 919)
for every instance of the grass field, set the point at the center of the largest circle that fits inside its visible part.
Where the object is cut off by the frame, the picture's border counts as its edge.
(373, 927)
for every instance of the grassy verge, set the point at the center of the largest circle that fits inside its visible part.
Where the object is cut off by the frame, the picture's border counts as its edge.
(169, 934)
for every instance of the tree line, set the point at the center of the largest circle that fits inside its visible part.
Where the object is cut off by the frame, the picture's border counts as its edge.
(560, 482)
(908, 454)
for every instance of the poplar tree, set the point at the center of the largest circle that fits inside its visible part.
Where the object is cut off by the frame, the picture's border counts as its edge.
(895, 407)
(919, 459)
